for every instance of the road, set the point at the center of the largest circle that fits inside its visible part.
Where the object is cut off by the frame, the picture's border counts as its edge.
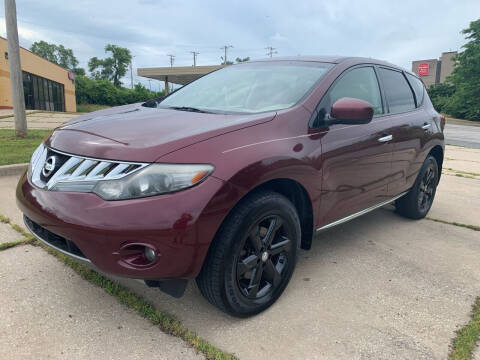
(462, 135)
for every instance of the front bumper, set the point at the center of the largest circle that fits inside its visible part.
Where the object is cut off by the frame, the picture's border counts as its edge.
(179, 226)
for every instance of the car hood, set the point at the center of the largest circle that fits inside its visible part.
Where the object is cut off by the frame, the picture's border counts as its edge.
(137, 133)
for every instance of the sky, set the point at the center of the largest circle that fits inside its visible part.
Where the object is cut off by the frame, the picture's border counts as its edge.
(395, 31)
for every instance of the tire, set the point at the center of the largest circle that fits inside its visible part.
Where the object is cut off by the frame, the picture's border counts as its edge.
(253, 255)
(418, 201)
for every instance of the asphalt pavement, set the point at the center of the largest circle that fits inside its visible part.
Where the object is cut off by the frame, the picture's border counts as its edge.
(462, 135)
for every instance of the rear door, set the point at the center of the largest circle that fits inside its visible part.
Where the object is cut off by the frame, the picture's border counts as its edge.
(356, 159)
(408, 118)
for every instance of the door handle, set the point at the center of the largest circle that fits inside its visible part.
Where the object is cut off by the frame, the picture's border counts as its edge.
(426, 126)
(385, 138)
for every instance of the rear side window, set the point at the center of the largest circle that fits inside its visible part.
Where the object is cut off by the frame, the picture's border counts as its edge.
(418, 88)
(397, 91)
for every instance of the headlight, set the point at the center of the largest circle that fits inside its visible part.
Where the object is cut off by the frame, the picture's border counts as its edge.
(153, 180)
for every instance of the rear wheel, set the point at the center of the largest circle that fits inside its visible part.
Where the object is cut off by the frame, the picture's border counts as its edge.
(418, 201)
(253, 256)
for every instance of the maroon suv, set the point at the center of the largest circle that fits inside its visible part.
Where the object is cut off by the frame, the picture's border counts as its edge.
(225, 178)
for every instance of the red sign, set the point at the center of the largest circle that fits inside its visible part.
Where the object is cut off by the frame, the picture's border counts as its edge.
(423, 69)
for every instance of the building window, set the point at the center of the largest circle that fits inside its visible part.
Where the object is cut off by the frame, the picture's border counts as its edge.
(42, 94)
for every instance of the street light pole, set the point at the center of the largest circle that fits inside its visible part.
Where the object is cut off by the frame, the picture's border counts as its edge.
(16, 78)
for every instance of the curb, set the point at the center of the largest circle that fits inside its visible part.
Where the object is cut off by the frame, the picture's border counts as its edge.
(14, 169)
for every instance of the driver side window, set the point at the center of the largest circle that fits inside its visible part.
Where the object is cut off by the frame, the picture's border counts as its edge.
(360, 83)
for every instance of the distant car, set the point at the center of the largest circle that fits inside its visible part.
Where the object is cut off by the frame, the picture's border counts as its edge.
(224, 179)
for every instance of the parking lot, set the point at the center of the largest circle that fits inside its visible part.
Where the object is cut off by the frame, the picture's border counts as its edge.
(380, 286)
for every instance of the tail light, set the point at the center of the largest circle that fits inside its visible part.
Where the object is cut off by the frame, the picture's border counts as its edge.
(442, 122)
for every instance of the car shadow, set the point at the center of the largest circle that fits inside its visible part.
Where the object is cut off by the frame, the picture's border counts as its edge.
(193, 310)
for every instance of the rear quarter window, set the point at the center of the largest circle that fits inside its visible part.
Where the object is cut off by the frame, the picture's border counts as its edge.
(418, 88)
(397, 91)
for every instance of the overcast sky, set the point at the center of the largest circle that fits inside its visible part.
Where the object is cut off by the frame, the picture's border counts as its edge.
(396, 31)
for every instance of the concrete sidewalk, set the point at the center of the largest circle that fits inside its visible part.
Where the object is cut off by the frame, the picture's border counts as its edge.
(380, 286)
(48, 311)
(37, 119)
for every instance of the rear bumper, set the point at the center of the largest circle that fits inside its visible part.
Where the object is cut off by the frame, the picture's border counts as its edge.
(179, 226)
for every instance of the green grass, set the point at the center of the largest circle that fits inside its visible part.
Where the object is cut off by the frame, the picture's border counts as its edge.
(463, 172)
(464, 176)
(27, 238)
(464, 343)
(166, 322)
(451, 120)
(468, 226)
(18, 150)
(90, 107)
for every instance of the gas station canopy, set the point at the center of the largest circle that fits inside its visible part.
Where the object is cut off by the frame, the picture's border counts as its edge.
(178, 74)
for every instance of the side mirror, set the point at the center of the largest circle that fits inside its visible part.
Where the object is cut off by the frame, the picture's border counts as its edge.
(350, 111)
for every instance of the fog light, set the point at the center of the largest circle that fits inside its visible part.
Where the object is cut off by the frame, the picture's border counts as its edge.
(150, 254)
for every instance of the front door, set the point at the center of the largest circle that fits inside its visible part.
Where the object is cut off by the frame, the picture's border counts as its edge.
(356, 159)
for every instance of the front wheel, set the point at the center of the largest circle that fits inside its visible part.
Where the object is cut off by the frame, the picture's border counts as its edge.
(418, 201)
(252, 258)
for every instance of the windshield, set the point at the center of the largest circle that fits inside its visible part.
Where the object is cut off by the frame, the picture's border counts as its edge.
(249, 88)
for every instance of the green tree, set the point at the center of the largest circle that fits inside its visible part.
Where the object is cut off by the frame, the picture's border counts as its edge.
(240, 60)
(79, 71)
(440, 95)
(45, 50)
(465, 100)
(103, 92)
(57, 54)
(112, 68)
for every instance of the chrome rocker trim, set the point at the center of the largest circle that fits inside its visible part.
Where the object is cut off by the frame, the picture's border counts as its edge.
(360, 213)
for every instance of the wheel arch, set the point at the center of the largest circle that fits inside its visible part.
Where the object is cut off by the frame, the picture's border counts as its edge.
(296, 193)
(437, 153)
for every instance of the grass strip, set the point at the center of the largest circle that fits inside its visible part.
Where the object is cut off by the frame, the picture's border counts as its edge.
(464, 343)
(471, 227)
(27, 238)
(19, 150)
(10, 244)
(166, 322)
(463, 172)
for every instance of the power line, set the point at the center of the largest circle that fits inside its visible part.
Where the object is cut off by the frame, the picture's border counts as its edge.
(270, 51)
(194, 57)
(225, 48)
(172, 59)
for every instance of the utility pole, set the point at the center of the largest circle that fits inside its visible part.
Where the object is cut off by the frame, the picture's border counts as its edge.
(131, 75)
(150, 84)
(225, 48)
(194, 57)
(16, 78)
(172, 59)
(270, 51)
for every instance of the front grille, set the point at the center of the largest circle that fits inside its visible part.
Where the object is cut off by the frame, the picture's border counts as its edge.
(70, 168)
(54, 240)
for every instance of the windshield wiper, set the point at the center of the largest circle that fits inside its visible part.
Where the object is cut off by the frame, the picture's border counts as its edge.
(187, 108)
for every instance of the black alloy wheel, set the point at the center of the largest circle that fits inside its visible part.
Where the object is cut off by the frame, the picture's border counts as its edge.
(418, 201)
(427, 188)
(253, 256)
(263, 258)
